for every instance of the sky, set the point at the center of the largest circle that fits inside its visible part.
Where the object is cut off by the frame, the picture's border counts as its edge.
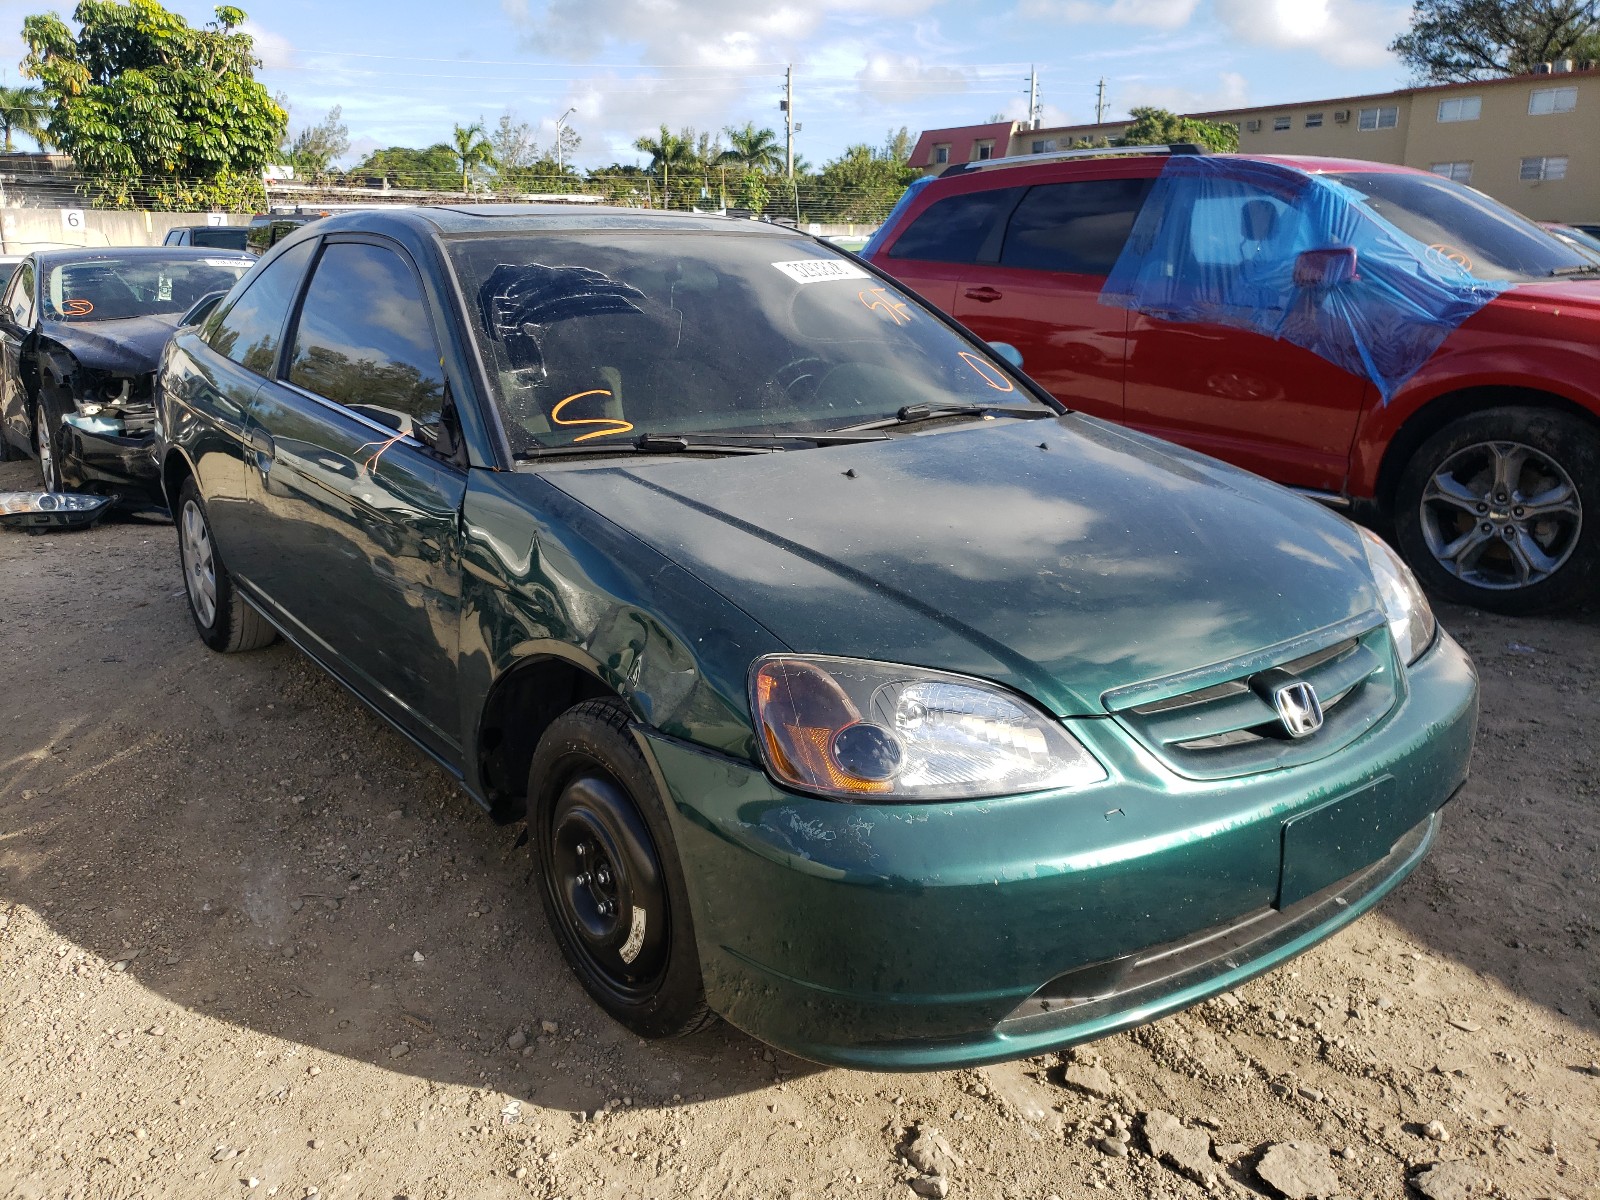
(405, 71)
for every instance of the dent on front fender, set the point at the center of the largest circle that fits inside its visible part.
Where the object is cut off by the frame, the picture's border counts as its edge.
(546, 577)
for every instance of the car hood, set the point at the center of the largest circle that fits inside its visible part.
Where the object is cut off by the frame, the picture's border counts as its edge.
(1063, 558)
(130, 346)
(1580, 296)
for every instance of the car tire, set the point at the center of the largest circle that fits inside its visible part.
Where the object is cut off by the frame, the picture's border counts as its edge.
(47, 448)
(1501, 510)
(222, 617)
(608, 873)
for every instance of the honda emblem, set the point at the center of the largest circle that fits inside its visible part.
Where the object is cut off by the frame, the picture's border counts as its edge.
(1298, 708)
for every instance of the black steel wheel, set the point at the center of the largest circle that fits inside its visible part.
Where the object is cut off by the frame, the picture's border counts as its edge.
(609, 876)
(1501, 510)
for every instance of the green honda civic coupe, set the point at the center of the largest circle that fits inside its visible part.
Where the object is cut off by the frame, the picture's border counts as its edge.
(851, 688)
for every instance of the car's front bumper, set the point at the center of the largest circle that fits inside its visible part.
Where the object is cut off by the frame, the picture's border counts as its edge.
(931, 936)
(103, 459)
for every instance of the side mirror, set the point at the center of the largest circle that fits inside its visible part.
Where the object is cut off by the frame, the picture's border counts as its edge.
(1325, 268)
(1008, 352)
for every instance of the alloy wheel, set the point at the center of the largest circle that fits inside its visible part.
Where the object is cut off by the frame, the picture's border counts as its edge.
(199, 563)
(45, 445)
(1501, 515)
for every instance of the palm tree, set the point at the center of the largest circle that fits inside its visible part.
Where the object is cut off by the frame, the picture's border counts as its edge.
(23, 110)
(670, 152)
(471, 149)
(753, 149)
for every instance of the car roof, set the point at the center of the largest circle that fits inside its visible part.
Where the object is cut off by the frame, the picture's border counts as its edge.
(1000, 169)
(447, 221)
(56, 258)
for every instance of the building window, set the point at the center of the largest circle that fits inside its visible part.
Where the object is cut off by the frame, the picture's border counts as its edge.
(1379, 118)
(1461, 172)
(982, 151)
(1537, 170)
(1462, 108)
(1045, 146)
(1313, 120)
(1279, 124)
(1544, 101)
(941, 155)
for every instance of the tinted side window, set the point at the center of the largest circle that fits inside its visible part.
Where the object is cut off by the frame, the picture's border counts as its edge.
(248, 332)
(20, 301)
(955, 228)
(364, 339)
(1074, 227)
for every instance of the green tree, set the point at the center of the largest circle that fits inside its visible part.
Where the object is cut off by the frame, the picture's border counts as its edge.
(897, 147)
(313, 150)
(153, 110)
(23, 110)
(1158, 127)
(1459, 40)
(404, 167)
(471, 149)
(670, 154)
(752, 149)
(753, 191)
(862, 184)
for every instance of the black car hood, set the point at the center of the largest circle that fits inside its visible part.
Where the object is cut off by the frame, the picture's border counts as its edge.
(131, 346)
(1098, 560)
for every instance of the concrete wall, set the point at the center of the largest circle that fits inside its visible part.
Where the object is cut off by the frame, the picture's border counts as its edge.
(26, 229)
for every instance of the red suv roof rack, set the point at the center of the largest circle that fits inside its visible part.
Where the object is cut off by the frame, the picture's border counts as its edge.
(1019, 160)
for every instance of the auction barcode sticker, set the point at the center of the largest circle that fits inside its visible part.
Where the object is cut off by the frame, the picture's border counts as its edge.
(228, 262)
(820, 270)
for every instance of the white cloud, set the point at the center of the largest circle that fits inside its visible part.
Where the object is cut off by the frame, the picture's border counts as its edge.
(1160, 14)
(1232, 90)
(1348, 33)
(891, 79)
(273, 49)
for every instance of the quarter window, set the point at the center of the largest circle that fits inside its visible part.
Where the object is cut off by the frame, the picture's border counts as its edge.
(1379, 118)
(1460, 108)
(1461, 172)
(1542, 102)
(1079, 228)
(954, 229)
(248, 332)
(364, 338)
(1537, 170)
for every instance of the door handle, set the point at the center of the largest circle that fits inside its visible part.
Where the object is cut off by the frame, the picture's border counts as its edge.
(260, 444)
(984, 295)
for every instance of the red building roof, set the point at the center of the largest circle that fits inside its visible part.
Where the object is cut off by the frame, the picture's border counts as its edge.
(960, 141)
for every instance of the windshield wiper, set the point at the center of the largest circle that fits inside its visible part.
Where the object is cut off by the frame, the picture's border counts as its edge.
(913, 413)
(1585, 269)
(701, 443)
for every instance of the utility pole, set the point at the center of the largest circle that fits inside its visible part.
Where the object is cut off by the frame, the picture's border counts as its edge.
(787, 104)
(1033, 97)
(1100, 102)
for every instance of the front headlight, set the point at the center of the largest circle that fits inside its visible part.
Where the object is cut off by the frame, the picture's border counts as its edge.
(867, 730)
(1411, 620)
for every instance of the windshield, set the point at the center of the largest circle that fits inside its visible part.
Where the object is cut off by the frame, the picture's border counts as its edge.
(1466, 227)
(603, 335)
(111, 289)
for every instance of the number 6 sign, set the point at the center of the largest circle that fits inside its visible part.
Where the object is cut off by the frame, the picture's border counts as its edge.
(72, 218)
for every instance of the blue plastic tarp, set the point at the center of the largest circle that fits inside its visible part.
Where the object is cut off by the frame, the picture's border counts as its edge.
(1295, 256)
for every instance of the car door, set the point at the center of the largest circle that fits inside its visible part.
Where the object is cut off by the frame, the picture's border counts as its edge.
(931, 253)
(1256, 401)
(1040, 291)
(16, 321)
(210, 380)
(354, 520)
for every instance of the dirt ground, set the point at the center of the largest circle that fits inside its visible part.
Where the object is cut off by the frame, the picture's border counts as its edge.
(253, 944)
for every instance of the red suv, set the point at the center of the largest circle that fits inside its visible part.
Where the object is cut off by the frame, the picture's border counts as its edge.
(1379, 337)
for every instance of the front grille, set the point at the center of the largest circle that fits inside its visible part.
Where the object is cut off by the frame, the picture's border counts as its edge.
(1224, 729)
